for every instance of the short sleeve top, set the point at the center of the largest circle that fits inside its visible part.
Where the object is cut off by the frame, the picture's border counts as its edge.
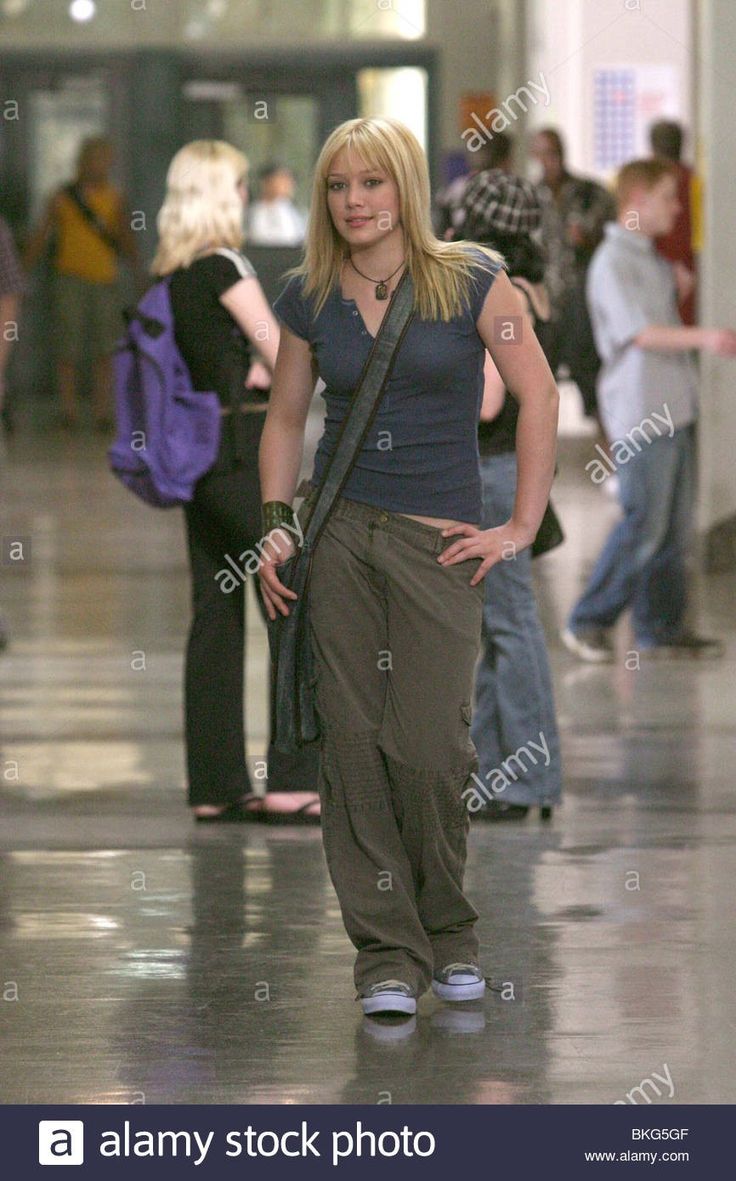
(420, 455)
(81, 251)
(213, 346)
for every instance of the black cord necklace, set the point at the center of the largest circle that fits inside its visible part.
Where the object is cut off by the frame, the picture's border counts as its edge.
(381, 288)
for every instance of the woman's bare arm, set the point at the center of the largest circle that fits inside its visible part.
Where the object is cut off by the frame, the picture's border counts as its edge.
(494, 391)
(281, 449)
(282, 441)
(39, 239)
(250, 309)
(507, 333)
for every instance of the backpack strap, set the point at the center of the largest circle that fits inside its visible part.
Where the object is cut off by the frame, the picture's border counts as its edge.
(522, 288)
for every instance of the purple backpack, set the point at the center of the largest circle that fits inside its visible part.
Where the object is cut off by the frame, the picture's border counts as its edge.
(168, 434)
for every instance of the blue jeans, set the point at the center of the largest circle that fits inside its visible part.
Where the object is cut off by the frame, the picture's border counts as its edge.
(514, 701)
(642, 565)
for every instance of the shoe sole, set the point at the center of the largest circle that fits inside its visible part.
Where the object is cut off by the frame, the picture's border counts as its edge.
(666, 653)
(388, 1002)
(582, 651)
(241, 816)
(459, 992)
(389, 1033)
(490, 817)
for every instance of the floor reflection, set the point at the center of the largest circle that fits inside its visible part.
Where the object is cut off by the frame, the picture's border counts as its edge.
(145, 960)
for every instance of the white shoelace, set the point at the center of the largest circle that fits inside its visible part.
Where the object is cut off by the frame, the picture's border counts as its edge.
(388, 985)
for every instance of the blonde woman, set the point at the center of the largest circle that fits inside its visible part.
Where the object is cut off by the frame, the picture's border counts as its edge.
(222, 320)
(396, 592)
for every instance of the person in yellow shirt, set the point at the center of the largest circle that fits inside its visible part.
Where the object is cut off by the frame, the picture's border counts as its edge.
(88, 222)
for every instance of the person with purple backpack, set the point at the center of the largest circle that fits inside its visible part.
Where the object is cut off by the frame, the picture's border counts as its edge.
(228, 338)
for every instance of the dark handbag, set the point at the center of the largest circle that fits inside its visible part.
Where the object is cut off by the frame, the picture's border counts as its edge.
(549, 534)
(295, 719)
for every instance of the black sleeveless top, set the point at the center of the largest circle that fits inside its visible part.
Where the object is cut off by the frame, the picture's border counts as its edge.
(217, 353)
(498, 436)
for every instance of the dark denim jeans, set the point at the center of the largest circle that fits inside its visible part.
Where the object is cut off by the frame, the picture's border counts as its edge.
(642, 565)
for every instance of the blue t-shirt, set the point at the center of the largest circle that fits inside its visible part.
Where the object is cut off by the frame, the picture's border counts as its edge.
(421, 453)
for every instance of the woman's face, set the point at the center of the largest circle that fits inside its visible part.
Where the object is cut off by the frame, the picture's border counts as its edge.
(363, 201)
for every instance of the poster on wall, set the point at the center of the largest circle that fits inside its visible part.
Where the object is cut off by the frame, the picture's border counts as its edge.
(626, 101)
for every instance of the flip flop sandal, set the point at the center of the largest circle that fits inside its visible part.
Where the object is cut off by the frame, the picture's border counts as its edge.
(236, 813)
(298, 816)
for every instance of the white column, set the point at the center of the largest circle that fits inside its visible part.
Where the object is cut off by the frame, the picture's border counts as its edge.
(716, 43)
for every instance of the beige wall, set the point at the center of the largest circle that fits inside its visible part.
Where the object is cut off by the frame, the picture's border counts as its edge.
(482, 48)
(570, 39)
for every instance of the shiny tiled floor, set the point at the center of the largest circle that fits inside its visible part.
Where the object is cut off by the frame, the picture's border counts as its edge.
(144, 960)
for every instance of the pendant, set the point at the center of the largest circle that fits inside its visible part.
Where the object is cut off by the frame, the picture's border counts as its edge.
(381, 291)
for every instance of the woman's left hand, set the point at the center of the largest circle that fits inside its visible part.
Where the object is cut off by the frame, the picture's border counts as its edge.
(501, 544)
(259, 377)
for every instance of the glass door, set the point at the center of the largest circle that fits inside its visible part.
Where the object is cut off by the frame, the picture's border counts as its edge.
(267, 126)
(60, 118)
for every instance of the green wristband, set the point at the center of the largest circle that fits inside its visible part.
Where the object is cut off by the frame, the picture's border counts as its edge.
(275, 513)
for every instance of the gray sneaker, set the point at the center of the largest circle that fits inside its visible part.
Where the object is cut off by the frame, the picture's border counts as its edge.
(592, 644)
(459, 982)
(389, 996)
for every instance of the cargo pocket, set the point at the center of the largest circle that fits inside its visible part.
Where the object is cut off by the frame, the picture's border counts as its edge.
(468, 753)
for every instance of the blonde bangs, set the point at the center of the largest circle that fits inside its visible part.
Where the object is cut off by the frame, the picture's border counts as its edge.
(202, 208)
(441, 271)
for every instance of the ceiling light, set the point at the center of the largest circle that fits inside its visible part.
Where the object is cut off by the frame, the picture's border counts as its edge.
(82, 10)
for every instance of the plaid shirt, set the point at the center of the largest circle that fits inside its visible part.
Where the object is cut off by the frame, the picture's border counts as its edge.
(12, 279)
(494, 200)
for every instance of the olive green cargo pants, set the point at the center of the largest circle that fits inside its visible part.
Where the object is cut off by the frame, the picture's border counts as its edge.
(395, 637)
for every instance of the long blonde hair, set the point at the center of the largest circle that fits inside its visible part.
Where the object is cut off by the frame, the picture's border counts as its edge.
(441, 271)
(202, 207)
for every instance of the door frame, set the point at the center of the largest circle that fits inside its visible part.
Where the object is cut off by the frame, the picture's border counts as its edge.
(135, 82)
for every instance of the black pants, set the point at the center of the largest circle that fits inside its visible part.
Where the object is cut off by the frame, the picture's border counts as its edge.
(224, 518)
(571, 343)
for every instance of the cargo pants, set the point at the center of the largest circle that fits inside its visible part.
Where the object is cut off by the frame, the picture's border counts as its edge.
(395, 638)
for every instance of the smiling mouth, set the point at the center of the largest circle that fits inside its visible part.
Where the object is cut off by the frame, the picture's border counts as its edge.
(356, 221)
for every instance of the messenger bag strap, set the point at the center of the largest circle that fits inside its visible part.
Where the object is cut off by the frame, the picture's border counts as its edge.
(73, 192)
(357, 421)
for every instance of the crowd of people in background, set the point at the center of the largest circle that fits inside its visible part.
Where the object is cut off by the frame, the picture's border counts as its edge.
(608, 279)
(85, 234)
